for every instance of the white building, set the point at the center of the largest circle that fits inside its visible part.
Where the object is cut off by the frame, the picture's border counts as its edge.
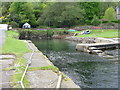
(3, 26)
(26, 26)
(118, 11)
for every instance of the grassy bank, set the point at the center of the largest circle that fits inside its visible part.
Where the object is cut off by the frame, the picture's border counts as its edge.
(105, 33)
(17, 47)
(29, 33)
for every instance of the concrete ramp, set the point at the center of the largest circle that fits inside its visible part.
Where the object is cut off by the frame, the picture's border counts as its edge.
(96, 46)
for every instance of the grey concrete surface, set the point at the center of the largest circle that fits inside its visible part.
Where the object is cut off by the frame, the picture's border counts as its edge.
(5, 62)
(7, 57)
(68, 84)
(38, 60)
(47, 79)
(43, 78)
(6, 78)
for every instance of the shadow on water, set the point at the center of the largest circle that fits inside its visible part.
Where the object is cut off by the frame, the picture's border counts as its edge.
(86, 70)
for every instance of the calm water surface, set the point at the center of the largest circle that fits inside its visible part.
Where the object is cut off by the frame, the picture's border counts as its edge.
(86, 70)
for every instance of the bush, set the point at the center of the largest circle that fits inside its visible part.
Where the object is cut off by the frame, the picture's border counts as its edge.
(28, 34)
(104, 21)
(110, 14)
(50, 33)
(61, 32)
(41, 26)
(95, 20)
(14, 24)
(116, 21)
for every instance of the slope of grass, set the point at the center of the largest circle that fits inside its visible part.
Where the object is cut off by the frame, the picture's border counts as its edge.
(106, 33)
(17, 47)
(13, 45)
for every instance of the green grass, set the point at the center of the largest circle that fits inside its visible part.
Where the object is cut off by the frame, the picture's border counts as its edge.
(105, 33)
(13, 45)
(17, 47)
(51, 67)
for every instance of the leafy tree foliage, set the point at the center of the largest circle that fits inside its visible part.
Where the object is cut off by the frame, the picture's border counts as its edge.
(61, 15)
(105, 5)
(57, 14)
(5, 8)
(21, 12)
(95, 21)
(110, 14)
(38, 7)
(91, 9)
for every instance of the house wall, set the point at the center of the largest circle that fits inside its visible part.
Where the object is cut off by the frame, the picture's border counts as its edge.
(118, 16)
(3, 26)
(118, 12)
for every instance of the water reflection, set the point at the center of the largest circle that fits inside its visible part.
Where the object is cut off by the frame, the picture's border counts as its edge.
(86, 70)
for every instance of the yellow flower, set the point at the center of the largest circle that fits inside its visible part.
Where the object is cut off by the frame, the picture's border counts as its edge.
(2, 17)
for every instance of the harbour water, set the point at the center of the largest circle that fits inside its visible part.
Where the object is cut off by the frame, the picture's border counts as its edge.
(86, 70)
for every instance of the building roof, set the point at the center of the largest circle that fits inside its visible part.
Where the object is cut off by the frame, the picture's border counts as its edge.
(26, 24)
(118, 6)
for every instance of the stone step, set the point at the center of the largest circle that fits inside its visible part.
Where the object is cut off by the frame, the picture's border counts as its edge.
(7, 57)
(97, 51)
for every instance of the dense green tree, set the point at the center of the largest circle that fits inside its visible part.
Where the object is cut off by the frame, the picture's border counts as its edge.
(110, 14)
(91, 9)
(28, 13)
(38, 7)
(61, 15)
(21, 12)
(5, 8)
(15, 11)
(106, 5)
(56, 14)
(95, 21)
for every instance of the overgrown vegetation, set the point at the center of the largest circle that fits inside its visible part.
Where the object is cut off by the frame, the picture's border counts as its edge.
(28, 34)
(110, 14)
(17, 47)
(57, 14)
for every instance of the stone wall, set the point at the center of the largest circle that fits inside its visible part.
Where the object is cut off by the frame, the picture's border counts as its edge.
(103, 26)
(82, 39)
(88, 40)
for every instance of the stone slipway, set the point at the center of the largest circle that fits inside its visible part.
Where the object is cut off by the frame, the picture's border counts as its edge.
(96, 46)
(5, 62)
(44, 78)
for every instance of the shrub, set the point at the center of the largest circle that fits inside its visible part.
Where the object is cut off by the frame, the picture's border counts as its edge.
(95, 20)
(14, 24)
(110, 14)
(116, 21)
